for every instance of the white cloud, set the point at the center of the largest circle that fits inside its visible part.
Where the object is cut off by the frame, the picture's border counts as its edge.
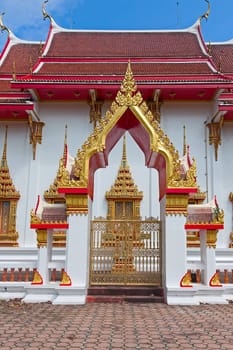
(25, 19)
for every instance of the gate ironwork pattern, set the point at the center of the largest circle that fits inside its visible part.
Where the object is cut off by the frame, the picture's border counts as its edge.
(125, 252)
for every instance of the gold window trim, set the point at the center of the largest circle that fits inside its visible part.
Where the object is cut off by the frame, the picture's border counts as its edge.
(8, 203)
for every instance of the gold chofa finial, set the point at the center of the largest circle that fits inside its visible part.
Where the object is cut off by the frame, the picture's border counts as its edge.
(45, 14)
(2, 26)
(207, 13)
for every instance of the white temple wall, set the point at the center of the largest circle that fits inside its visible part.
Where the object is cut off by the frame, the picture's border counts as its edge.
(19, 158)
(192, 115)
(56, 116)
(146, 179)
(222, 181)
(33, 177)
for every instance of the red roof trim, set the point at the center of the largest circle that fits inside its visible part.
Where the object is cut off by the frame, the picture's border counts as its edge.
(204, 226)
(17, 106)
(21, 95)
(226, 96)
(181, 190)
(73, 190)
(225, 107)
(50, 226)
(61, 79)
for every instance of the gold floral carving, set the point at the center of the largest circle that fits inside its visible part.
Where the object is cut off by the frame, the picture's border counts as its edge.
(211, 238)
(231, 238)
(215, 280)
(76, 204)
(8, 202)
(52, 195)
(41, 238)
(176, 204)
(35, 133)
(37, 278)
(186, 280)
(66, 280)
(215, 135)
(128, 98)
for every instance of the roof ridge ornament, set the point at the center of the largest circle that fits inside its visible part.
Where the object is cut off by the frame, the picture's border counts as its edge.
(207, 13)
(2, 26)
(126, 95)
(45, 13)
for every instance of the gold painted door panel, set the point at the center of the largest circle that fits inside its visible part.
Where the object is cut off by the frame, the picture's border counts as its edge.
(125, 252)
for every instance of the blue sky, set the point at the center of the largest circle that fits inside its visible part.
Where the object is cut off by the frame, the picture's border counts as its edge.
(24, 17)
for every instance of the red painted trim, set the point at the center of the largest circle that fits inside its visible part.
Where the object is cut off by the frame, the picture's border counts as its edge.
(226, 96)
(14, 95)
(73, 190)
(111, 82)
(204, 226)
(17, 106)
(225, 107)
(49, 226)
(181, 190)
(37, 203)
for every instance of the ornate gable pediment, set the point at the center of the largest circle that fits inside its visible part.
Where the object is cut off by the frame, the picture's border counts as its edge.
(160, 146)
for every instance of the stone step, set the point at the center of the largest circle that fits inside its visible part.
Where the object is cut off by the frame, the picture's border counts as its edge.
(126, 294)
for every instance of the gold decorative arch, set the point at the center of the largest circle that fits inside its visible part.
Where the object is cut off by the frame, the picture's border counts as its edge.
(128, 99)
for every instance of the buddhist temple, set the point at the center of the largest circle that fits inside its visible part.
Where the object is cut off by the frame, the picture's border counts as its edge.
(116, 168)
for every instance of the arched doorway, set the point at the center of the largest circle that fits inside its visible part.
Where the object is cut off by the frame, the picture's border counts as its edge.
(128, 113)
(125, 238)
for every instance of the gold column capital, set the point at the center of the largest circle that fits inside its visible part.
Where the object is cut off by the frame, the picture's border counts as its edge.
(211, 238)
(176, 203)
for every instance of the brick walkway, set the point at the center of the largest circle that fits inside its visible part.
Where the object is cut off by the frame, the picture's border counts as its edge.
(115, 326)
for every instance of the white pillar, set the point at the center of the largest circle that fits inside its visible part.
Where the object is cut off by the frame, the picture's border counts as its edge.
(77, 250)
(208, 260)
(27, 236)
(174, 250)
(44, 257)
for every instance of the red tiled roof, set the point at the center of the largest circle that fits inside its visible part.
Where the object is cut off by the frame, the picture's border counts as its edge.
(125, 44)
(223, 57)
(5, 86)
(93, 69)
(23, 56)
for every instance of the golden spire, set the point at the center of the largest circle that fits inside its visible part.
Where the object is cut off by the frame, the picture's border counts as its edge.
(124, 158)
(184, 142)
(2, 26)
(124, 184)
(207, 13)
(7, 188)
(4, 160)
(51, 195)
(65, 154)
